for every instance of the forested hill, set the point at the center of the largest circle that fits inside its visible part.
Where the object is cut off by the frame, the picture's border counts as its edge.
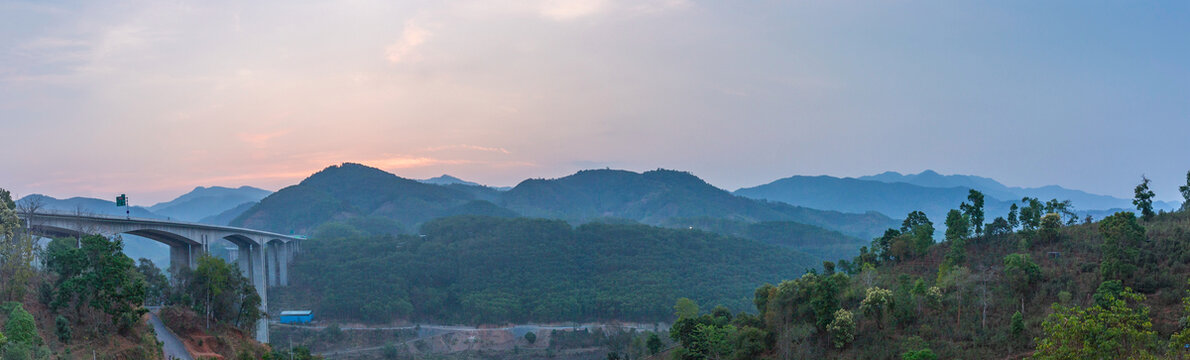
(351, 190)
(494, 270)
(664, 197)
(661, 197)
(848, 194)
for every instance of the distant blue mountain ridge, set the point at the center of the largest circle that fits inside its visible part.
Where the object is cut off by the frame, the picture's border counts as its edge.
(895, 194)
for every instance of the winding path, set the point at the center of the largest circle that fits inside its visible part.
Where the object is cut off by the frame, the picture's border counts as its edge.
(171, 345)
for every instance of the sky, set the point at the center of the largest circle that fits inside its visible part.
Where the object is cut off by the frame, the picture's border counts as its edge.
(153, 98)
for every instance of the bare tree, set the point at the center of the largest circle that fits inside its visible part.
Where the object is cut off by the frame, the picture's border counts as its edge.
(30, 207)
(983, 279)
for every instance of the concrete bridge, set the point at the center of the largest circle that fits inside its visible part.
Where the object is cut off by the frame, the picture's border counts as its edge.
(263, 256)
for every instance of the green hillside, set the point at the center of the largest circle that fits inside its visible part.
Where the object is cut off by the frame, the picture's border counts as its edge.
(348, 192)
(1113, 289)
(659, 196)
(351, 190)
(493, 270)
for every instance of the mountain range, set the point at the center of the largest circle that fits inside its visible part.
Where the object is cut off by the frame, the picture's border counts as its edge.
(205, 202)
(659, 197)
(896, 195)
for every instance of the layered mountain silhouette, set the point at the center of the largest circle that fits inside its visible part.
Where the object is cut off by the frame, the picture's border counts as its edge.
(205, 202)
(896, 195)
(659, 197)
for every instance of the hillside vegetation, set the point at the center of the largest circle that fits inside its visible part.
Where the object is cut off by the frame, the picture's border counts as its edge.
(1021, 286)
(493, 270)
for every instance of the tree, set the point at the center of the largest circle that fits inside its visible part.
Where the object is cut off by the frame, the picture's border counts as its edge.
(957, 225)
(1049, 227)
(957, 230)
(713, 342)
(920, 231)
(18, 248)
(1113, 330)
(1185, 190)
(685, 308)
(653, 343)
(957, 278)
(220, 292)
(999, 227)
(974, 211)
(876, 303)
(1122, 237)
(157, 285)
(100, 276)
(1031, 213)
(1016, 328)
(530, 337)
(842, 328)
(1021, 273)
(1178, 342)
(983, 289)
(21, 327)
(62, 327)
(1012, 219)
(1144, 199)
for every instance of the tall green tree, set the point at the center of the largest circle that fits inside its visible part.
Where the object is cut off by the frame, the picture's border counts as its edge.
(974, 211)
(1031, 213)
(920, 231)
(1012, 216)
(1185, 190)
(1144, 199)
(1122, 237)
(1049, 227)
(957, 231)
(1021, 273)
(17, 250)
(220, 292)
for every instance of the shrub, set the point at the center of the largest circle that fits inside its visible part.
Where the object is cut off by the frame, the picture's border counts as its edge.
(21, 328)
(62, 325)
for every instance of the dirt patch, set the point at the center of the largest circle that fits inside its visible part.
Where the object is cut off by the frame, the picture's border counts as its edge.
(219, 342)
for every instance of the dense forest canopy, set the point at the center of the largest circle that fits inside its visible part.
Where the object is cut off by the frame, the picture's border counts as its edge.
(493, 270)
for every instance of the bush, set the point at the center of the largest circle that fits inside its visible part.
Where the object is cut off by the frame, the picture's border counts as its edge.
(62, 326)
(390, 351)
(21, 328)
(923, 354)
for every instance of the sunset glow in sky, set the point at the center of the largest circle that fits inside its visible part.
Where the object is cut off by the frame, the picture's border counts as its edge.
(153, 98)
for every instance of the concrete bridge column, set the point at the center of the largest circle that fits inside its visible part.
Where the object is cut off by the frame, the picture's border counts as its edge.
(185, 255)
(283, 268)
(262, 288)
(274, 264)
(244, 260)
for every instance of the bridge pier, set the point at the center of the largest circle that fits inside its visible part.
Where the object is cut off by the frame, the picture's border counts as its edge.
(284, 268)
(184, 255)
(262, 288)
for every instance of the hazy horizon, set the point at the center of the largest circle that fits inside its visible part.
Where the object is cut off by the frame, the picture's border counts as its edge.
(153, 99)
